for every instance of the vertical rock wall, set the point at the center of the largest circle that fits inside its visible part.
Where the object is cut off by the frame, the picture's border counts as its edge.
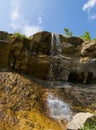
(73, 59)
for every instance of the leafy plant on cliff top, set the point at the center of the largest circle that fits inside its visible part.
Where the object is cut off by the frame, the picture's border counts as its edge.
(67, 32)
(86, 36)
(17, 34)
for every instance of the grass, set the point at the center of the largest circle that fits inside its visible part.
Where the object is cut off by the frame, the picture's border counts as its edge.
(91, 125)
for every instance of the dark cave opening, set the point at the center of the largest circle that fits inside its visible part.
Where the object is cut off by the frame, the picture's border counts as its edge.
(89, 77)
(76, 77)
(73, 77)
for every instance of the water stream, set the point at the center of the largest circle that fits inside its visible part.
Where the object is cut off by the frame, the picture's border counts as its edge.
(58, 109)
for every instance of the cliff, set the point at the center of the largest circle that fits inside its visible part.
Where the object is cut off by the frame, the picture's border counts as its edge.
(71, 58)
(68, 64)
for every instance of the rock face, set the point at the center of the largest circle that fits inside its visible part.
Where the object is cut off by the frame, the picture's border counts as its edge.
(4, 35)
(4, 54)
(30, 56)
(51, 57)
(83, 97)
(46, 56)
(4, 49)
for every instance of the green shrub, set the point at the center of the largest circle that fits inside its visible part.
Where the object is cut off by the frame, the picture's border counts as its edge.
(17, 34)
(67, 32)
(86, 36)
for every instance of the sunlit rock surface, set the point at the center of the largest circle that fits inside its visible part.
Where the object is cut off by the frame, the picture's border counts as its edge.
(70, 58)
(78, 121)
(67, 63)
(21, 104)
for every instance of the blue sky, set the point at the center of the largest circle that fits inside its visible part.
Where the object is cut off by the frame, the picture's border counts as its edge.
(31, 16)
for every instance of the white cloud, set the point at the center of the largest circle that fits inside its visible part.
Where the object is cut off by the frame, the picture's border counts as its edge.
(90, 4)
(29, 29)
(92, 17)
(20, 24)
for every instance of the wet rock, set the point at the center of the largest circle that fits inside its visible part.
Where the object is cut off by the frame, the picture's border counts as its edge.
(83, 96)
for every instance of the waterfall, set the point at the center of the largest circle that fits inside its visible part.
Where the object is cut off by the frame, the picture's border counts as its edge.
(58, 109)
(58, 45)
(55, 56)
(52, 44)
(51, 73)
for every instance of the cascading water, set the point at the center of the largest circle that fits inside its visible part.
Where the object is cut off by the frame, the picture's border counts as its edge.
(59, 58)
(58, 109)
(51, 74)
(55, 64)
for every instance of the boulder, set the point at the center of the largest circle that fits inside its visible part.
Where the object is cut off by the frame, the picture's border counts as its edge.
(78, 121)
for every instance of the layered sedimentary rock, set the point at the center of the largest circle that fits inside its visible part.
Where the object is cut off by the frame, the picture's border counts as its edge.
(4, 54)
(4, 49)
(46, 56)
(51, 57)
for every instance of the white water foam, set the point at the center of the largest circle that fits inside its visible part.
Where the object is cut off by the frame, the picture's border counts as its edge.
(58, 109)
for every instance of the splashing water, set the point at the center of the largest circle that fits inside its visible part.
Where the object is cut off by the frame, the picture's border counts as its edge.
(58, 109)
(55, 42)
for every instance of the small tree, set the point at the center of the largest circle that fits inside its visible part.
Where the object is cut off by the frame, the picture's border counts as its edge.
(67, 32)
(86, 36)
